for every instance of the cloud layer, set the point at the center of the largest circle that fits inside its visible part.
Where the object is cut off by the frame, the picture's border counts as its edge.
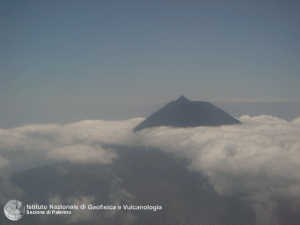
(259, 159)
(32, 145)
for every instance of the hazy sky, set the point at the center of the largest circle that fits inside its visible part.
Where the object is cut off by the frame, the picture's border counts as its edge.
(147, 51)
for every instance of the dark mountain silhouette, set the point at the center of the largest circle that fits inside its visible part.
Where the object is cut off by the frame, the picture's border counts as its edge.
(185, 113)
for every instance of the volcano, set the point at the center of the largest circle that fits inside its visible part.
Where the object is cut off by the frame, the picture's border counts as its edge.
(185, 113)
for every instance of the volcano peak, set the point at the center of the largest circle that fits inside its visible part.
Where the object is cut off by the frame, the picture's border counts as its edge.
(182, 99)
(185, 113)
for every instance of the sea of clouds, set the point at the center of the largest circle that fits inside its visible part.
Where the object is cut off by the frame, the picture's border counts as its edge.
(258, 159)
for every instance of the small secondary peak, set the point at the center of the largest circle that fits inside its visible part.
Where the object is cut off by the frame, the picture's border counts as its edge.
(182, 99)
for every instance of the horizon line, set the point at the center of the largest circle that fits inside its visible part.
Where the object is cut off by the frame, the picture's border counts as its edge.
(90, 102)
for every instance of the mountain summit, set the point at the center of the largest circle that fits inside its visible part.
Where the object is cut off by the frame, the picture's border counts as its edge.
(182, 99)
(186, 113)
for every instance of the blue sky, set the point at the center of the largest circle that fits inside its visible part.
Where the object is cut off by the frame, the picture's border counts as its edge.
(84, 52)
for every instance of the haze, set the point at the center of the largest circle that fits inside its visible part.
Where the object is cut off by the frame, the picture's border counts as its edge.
(76, 77)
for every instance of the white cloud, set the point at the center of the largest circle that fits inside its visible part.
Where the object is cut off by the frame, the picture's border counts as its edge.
(33, 145)
(99, 132)
(83, 154)
(259, 158)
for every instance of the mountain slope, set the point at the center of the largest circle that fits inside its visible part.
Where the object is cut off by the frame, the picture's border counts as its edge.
(185, 113)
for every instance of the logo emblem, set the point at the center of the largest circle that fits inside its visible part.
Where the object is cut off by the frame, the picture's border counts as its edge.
(14, 210)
